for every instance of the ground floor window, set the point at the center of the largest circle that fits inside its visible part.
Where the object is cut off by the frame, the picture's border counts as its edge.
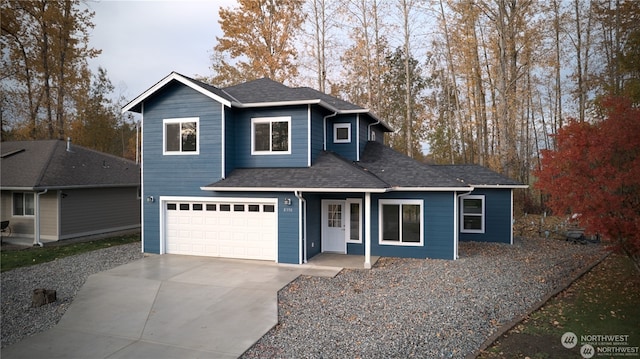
(23, 204)
(472, 214)
(354, 209)
(401, 222)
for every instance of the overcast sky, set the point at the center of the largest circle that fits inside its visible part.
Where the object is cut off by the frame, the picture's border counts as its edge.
(143, 41)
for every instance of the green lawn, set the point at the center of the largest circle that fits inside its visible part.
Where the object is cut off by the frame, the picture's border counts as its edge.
(11, 259)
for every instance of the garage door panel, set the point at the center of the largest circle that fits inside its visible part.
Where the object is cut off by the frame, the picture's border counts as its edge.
(234, 230)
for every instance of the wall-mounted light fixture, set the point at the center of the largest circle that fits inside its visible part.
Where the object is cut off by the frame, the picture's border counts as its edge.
(150, 199)
(287, 201)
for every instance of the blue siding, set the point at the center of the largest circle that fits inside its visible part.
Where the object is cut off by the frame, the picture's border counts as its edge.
(177, 175)
(364, 133)
(438, 209)
(438, 226)
(346, 150)
(317, 136)
(498, 217)
(230, 140)
(242, 138)
(314, 230)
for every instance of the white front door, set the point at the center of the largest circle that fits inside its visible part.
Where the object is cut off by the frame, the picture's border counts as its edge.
(333, 227)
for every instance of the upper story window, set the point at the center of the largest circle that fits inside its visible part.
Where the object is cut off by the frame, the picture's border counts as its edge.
(271, 135)
(401, 222)
(23, 204)
(181, 136)
(341, 132)
(472, 213)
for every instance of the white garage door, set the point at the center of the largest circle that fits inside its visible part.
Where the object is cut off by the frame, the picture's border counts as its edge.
(246, 230)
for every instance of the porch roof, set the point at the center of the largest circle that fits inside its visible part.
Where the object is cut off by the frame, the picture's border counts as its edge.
(330, 171)
(381, 169)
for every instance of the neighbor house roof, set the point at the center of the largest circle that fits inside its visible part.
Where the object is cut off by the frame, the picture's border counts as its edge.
(380, 169)
(478, 176)
(38, 165)
(257, 93)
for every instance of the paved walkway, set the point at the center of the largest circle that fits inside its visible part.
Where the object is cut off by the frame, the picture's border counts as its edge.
(168, 306)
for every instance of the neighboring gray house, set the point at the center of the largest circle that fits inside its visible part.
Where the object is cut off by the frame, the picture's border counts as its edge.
(53, 190)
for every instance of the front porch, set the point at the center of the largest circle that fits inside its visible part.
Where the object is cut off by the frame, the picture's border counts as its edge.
(350, 261)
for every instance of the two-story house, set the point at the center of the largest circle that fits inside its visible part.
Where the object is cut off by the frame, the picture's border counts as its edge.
(264, 171)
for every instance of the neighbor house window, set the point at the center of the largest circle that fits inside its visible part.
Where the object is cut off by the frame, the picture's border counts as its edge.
(472, 214)
(271, 135)
(341, 132)
(181, 136)
(401, 222)
(23, 204)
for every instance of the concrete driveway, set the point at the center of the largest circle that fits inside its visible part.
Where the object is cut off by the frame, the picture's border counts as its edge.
(168, 306)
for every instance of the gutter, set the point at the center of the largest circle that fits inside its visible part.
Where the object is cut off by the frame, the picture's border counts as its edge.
(36, 222)
(303, 226)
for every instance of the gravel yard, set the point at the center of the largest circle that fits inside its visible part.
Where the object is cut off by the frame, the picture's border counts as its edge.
(400, 308)
(420, 308)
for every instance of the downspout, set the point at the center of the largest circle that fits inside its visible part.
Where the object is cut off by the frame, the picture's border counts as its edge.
(456, 220)
(324, 130)
(36, 222)
(303, 225)
(369, 129)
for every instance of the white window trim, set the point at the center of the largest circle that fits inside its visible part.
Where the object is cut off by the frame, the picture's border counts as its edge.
(270, 120)
(348, 203)
(481, 215)
(400, 202)
(339, 125)
(164, 136)
(24, 204)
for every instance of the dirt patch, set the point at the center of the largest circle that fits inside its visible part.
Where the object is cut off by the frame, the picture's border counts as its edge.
(524, 345)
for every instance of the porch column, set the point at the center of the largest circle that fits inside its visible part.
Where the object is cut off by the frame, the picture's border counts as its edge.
(367, 230)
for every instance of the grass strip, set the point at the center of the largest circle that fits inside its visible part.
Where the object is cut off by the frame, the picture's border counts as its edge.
(35, 255)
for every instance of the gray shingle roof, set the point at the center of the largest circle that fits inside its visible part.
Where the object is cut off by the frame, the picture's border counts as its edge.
(267, 90)
(210, 88)
(47, 164)
(329, 171)
(399, 170)
(476, 175)
(264, 90)
(380, 168)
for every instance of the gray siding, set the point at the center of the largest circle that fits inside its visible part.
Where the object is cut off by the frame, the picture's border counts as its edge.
(92, 211)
